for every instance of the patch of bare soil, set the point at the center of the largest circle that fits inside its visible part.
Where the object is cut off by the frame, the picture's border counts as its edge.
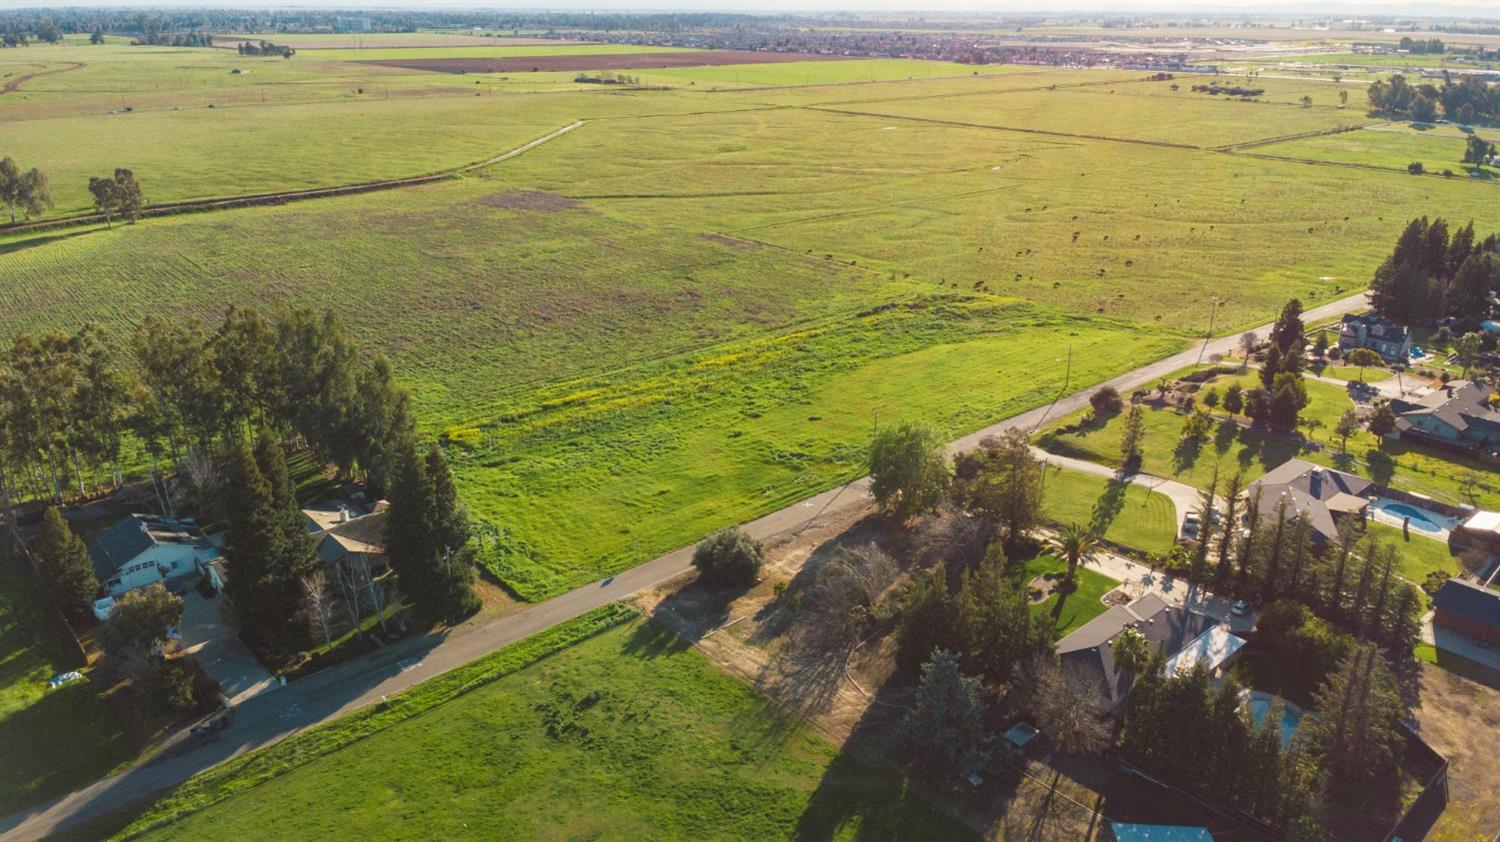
(1461, 720)
(530, 200)
(844, 687)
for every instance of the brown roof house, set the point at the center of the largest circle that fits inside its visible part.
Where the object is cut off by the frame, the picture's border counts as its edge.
(1174, 630)
(1468, 609)
(341, 531)
(1324, 495)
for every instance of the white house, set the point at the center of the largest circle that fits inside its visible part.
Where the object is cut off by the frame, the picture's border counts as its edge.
(141, 550)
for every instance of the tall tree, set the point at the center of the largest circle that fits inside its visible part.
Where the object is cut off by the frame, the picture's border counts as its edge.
(1009, 486)
(995, 619)
(426, 534)
(944, 730)
(1355, 735)
(67, 575)
(908, 470)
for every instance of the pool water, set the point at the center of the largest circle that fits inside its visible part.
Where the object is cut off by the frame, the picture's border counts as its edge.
(1419, 519)
(1260, 705)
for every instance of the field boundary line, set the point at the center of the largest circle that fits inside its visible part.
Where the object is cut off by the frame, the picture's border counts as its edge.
(282, 197)
(1166, 144)
(1233, 147)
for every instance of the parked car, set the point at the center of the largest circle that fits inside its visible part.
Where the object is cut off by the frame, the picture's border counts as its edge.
(1190, 526)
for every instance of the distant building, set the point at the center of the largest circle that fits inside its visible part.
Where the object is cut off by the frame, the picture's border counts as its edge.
(1467, 609)
(343, 24)
(1323, 495)
(1459, 414)
(1369, 330)
(1089, 650)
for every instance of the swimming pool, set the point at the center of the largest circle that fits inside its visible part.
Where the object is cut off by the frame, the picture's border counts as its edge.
(1291, 715)
(1419, 518)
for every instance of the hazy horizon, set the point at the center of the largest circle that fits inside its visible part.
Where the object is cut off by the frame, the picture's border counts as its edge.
(1448, 9)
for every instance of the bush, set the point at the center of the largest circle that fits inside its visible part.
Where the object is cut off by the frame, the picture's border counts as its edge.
(729, 557)
(1415, 168)
(1106, 401)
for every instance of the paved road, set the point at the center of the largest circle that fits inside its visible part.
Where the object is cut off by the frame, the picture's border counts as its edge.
(270, 717)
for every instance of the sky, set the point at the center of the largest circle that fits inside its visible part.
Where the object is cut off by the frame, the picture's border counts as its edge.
(1489, 9)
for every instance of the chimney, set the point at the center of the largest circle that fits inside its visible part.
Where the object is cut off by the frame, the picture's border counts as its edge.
(343, 515)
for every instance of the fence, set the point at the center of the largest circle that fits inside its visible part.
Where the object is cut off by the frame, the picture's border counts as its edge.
(1424, 811)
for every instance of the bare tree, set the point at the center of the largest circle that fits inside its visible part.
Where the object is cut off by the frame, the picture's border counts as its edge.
(1065, 704)
(350, 584)
(839, 602)
(316, 601)
(1248, 341)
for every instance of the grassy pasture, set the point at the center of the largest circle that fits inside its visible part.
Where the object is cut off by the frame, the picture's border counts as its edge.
(1390, 146)
(1137, 518)
(631, 734)
(483, 51)
(815, 73)
(391, 40)
(1450, 59)
(51, 740)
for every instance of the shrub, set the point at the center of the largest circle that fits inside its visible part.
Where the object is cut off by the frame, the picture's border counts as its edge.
(729, 557)
(1415, 168)
(1106, 401)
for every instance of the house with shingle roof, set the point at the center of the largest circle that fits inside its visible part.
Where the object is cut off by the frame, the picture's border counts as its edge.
(1323, 495)
(1383, 336)
(140, 550)
(1468, 609)
(1172, 629)
(341, 531)
(1458, 414)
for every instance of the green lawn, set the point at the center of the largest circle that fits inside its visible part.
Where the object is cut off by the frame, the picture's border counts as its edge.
(1441, 476)
(1134, 516)
(629, 735)
(1419, 555)
(1391, 146)
(51, 740)
(1081, 605)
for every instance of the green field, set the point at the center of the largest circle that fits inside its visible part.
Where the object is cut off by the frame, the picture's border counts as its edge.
(1390, 146)
(52, 740)
(815, 72)
(1420, 555)
(471, 51)
(1364, 60)
(1137, 518)
(631, 734)
(686, 312)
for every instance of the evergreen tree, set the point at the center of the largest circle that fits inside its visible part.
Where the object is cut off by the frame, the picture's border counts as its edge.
(996, 623)
(1287, 336)
(944, 730)
(1355, 736)
(928, 620)
(426, 534)
(1223, 568)
(268, 550)
(67, 575)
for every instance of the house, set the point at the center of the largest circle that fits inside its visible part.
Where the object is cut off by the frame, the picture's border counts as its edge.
(343, 532)
(1481, 531)
(1323, 495)
(140, 550)
(1369, 330)
(1090, 648)
(1459, 414)
(1467, 609)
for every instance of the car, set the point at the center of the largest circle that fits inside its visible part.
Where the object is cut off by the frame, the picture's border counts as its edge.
(1190, 526)
(1240, 609)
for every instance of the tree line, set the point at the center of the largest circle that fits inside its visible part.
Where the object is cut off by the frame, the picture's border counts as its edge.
(1433, 272)
(213, 412)
(1420, 46)
(265, 48)
(1465, 101)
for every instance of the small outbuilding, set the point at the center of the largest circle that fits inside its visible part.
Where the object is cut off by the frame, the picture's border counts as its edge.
(1467, 609)
(1130, 832)
(1481, 531)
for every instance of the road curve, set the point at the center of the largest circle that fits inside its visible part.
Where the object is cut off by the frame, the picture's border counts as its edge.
(273, 716)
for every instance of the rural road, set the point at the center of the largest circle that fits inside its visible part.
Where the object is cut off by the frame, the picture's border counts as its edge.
(271, 717)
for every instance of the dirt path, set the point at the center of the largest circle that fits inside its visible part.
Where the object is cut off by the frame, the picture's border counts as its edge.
(13, 85)
(282, 197)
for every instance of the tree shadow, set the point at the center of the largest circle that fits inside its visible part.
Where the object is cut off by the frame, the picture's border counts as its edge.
(33, 242)
(1185, 455)
(1380, 465)
(1108, 506)
(1225, 436)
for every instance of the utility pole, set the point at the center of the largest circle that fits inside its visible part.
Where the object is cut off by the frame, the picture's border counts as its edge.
(1212, 312)
(876, 411)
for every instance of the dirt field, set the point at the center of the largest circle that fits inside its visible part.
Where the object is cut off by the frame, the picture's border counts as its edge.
(624, 61)
(1461, 720)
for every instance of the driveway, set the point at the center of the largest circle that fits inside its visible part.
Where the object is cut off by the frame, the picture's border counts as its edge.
(1138, 580)
(219, 649)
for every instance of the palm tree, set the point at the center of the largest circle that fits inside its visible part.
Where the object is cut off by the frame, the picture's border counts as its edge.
(1076, 544)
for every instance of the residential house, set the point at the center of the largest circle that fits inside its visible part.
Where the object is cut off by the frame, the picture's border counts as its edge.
(1481, 531)
(1323, 495)
(344, 532)
(1383, 336)
(1459, 414)
(1089, 650)
(1467, 609)
(140, 550)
